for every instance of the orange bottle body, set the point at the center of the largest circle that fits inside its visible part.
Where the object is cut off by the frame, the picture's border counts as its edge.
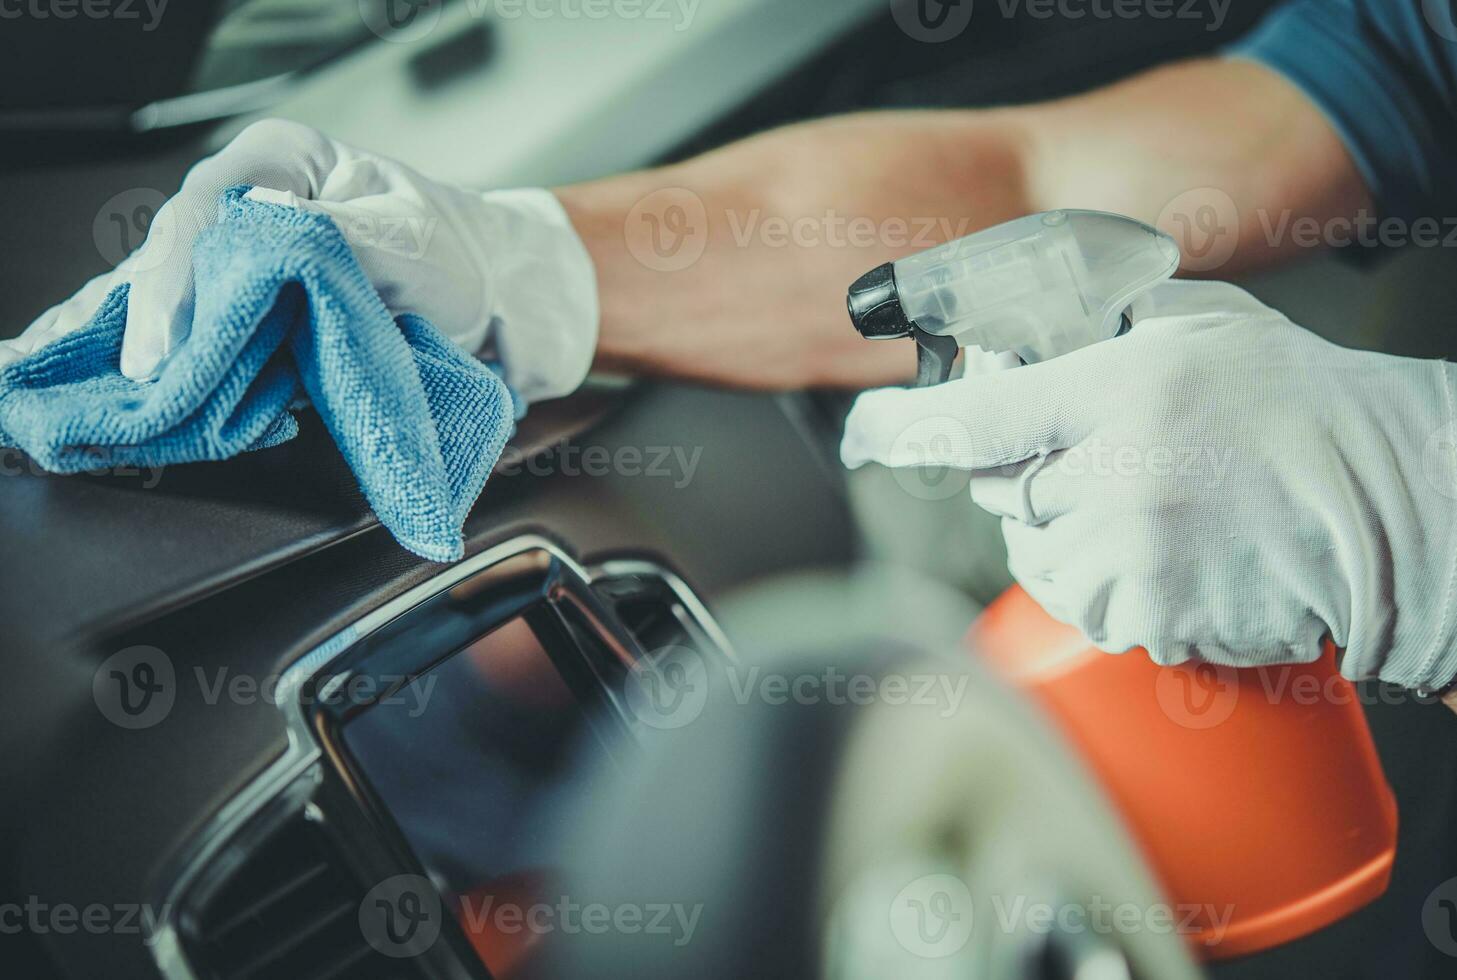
(1256, 794)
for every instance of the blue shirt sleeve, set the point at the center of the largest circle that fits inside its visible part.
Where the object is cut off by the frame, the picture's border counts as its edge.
(1385, 74)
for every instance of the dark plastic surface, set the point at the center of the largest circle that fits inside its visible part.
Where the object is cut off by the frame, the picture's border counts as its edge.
(875, 305)
(234, 569)
(935, 357)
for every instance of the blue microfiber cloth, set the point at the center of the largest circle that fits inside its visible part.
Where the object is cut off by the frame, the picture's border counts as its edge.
(283, 310)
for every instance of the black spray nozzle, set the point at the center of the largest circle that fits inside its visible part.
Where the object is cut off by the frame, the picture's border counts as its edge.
(875, 309)
(875, 305)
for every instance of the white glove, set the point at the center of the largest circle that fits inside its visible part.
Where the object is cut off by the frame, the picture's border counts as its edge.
(1218, 484)
(504, 266)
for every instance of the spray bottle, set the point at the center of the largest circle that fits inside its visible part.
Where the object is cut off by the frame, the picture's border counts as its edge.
(1264, 810)
(1038, 286)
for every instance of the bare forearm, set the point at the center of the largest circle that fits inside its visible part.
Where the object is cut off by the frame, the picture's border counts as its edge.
(731, 268)
(1224, 155)
(745, 281)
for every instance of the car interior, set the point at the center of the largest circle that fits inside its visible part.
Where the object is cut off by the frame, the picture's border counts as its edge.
(348, 729)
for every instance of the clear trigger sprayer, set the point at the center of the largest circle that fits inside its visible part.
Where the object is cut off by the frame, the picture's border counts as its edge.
(1038, 286)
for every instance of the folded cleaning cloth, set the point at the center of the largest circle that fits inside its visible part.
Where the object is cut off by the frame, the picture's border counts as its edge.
(282, 310)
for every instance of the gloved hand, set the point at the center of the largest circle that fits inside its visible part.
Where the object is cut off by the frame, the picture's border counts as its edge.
(503, 266)
(1217, 484)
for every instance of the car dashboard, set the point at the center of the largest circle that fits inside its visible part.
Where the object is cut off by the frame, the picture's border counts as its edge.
(174, 713)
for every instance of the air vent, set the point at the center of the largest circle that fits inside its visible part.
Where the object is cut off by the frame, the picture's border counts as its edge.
(290, 910)
(650, 611)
